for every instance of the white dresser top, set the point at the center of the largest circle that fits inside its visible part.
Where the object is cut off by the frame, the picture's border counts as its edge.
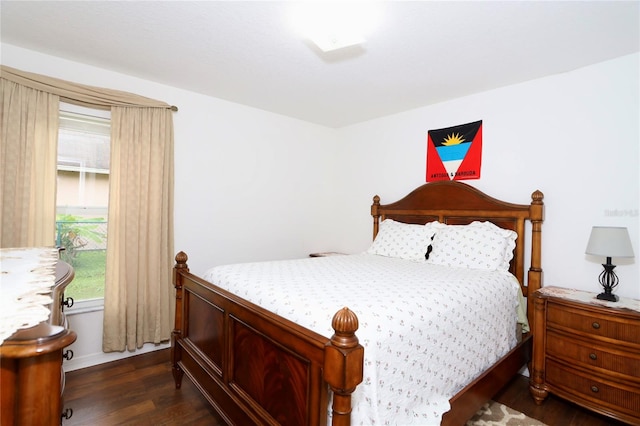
(589, 297)
(27, 276)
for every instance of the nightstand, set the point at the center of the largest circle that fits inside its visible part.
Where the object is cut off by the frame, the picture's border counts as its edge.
(587, 351)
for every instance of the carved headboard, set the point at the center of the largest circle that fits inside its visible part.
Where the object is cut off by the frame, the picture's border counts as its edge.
(457, 203)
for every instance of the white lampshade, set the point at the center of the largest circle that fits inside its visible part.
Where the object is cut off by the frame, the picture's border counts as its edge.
(609, 241)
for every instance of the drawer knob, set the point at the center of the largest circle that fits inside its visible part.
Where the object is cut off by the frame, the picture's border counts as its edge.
(68, 355)
(595, 389)
(593, 356)
(66, 414)
(596, 325)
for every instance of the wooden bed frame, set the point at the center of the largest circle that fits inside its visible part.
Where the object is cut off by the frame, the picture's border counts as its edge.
(255, 367)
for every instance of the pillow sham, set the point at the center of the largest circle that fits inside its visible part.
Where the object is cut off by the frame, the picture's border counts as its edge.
(402, 240)
(479, 245)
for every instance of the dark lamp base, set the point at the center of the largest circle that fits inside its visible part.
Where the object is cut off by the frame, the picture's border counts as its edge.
(608, 280)
(608, 296)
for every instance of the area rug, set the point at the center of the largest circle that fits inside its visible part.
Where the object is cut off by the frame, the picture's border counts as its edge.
(495, 414)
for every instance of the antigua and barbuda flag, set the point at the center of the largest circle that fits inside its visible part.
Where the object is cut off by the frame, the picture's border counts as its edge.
(454, 153)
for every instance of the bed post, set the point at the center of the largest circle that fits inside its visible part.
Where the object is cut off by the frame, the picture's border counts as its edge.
(376, 215)
(536, 380)
(534, 281)
(343, 365)
(180, 266)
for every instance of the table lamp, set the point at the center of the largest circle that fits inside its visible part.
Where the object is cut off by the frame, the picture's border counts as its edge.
(609, 241)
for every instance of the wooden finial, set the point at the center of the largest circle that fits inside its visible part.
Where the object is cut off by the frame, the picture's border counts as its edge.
(181, 260)
(345, 324)
(537, 197)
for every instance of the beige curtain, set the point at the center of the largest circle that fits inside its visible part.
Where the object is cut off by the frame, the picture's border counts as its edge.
(138, 295)
(28, 156)
(138, 302)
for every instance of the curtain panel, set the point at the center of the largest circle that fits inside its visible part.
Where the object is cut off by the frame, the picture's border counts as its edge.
(28, 156)
(139, 310)
(138, 288)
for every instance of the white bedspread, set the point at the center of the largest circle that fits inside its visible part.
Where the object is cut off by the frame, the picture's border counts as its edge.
(427, 330)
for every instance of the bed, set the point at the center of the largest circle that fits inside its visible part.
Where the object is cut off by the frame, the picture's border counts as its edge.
(256, 366)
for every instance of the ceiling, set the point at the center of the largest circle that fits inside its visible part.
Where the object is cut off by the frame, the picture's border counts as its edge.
(419, 52)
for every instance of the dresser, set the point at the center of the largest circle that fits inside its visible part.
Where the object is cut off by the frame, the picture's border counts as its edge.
(31, 365)
(587, 351)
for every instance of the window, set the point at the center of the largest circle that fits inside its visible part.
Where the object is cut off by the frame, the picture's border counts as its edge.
(82, 199)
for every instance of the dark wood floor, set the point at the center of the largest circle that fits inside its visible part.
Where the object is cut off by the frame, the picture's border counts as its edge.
(134, 391)
(140, 391)
(553, 411)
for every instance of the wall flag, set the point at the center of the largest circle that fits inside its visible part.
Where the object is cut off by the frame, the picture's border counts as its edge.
(454, 153)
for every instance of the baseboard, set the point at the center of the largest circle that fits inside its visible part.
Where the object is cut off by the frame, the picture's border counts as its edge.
(101, 357)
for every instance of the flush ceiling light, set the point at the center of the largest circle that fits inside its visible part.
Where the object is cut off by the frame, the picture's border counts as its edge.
(333, 25)
(336, 39)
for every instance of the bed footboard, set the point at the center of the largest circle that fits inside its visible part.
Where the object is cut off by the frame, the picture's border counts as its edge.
(255, 367)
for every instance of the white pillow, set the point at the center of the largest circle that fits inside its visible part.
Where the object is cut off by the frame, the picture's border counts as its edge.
(402, 240)
(479, 245)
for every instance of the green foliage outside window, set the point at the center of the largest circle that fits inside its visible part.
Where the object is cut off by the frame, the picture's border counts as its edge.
(84, 243)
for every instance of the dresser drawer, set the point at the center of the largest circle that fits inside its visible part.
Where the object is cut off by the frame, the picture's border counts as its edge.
(591, 323)
(587, 354)
(593, 390)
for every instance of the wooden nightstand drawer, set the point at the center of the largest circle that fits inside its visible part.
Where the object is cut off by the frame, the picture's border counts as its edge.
(587, 354)
(593, 390)
(592, 323)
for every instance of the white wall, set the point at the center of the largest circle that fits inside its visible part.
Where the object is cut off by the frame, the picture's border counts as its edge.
(574, 136)
(258, 182)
